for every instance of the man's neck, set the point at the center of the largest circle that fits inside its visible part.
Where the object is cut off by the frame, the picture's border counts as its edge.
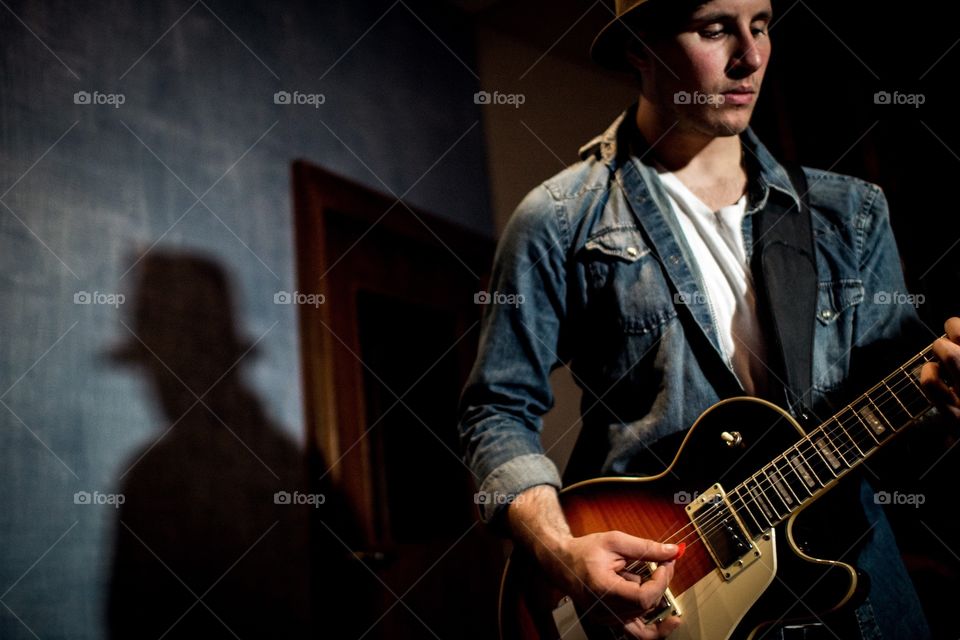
(710, 166)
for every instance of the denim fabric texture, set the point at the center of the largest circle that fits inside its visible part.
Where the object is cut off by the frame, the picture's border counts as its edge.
(590, 265)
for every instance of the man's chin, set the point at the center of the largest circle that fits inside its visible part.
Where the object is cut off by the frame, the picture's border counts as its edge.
(729, 124)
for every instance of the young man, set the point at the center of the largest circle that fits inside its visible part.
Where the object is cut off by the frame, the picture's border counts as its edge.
(639, 267)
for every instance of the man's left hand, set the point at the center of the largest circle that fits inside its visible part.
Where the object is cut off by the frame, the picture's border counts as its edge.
(941, 380)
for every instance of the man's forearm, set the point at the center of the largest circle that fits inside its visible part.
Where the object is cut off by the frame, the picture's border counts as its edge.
(537, 522)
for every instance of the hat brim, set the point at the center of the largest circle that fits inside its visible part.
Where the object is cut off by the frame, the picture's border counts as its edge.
(609, 47)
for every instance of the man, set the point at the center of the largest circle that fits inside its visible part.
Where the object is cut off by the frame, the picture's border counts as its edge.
(637, 267)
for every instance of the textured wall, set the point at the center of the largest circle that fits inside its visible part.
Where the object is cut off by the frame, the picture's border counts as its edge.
(174, 193)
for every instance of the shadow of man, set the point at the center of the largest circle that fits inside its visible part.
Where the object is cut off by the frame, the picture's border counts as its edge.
(213, 539)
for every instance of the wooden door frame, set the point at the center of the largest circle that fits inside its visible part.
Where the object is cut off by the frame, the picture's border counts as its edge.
(332, 375)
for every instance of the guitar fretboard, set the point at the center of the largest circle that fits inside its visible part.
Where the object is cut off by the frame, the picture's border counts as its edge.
(833, 449)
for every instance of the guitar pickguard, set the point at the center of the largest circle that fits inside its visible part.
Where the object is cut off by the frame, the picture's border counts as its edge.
(714, 604)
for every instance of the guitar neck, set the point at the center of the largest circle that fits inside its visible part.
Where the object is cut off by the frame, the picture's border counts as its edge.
(836, 447)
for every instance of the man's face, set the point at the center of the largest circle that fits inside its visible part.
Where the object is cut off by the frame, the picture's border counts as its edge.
(707, 76)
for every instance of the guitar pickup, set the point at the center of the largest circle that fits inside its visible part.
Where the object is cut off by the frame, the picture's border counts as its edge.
(722, 532)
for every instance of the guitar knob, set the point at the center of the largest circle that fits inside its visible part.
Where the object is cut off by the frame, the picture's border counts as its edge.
(732, 438)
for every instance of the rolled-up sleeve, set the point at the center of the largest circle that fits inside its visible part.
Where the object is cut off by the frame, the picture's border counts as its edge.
(508, 390)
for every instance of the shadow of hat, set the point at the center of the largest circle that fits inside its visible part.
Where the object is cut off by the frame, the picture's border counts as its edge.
(182, 310)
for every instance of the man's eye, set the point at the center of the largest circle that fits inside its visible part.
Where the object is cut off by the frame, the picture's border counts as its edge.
(713, 34)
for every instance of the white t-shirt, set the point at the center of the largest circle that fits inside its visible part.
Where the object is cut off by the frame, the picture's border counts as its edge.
(716, 239)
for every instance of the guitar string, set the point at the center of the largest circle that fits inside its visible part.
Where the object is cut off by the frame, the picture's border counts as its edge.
(856, 445)
(852, 428)
(905, 383)
(844, 454)
(888, 398)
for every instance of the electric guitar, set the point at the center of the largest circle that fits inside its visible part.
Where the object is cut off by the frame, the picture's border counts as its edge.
(737, 493)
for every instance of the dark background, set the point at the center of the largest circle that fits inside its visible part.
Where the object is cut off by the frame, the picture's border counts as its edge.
(97, 199)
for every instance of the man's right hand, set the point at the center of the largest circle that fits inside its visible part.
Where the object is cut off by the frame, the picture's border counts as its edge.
(591, 568)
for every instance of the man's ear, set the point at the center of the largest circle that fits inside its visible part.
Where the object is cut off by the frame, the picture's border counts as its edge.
(637, 56)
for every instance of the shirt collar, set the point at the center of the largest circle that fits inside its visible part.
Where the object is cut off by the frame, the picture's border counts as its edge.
(763, 171)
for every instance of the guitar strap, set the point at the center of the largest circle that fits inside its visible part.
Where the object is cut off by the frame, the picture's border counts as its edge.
(784, 267)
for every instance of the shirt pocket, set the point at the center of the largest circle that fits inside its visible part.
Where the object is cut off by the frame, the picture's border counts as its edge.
(837, 303)
(629, 301)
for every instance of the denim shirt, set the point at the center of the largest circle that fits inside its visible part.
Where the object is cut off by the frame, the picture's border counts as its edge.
(582, 276)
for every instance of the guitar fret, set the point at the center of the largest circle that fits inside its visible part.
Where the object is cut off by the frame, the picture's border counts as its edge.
(754, 530)
(878, 416)
(758, 499)
(858, 417)
(786, 493)
(802, 470)
(820, 458)
(912, 396)
(825, 446)
(792, 478)
(895, 397)
(850, 452)
(913, 377)
(765, 487)
(816, 461)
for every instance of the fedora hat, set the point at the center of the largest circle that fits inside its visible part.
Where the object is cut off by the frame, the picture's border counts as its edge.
(634, 16)
(609, 46)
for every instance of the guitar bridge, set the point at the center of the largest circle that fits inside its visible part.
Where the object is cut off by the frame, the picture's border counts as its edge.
(666, 607)
(722, 532)
(668, 604)
(568, 621)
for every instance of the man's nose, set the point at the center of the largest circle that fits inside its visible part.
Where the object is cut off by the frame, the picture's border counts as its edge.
(747, 58)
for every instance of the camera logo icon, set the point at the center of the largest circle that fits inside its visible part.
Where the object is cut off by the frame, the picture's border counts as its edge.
(281, 97)
(81, 97)
(482, 97)
(481, 297)
(282, 297)
(281, 497)
(81, 497)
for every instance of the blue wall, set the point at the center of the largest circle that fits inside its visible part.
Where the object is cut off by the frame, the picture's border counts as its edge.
(103, 200)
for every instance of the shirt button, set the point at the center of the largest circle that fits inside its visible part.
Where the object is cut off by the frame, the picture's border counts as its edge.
(674, 259)
(826, 314)
(632, 251)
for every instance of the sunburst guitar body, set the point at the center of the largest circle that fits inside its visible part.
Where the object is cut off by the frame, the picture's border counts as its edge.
(746, 490)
